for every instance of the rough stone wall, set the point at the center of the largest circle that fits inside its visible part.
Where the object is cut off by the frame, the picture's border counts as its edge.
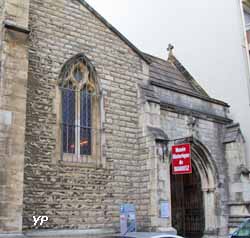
(75, 196)
(156, 171)
(17, 12)
(1, 7)
(239, 181)
(1, 21)
(14, 68)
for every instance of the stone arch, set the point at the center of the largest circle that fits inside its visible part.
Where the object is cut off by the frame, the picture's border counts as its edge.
(208, 171)
(205, 165)
(80, 58)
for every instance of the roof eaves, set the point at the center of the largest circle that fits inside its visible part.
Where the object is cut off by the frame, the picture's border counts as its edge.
(113, 29)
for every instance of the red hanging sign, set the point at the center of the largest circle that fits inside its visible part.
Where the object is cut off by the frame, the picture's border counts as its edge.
(181, 159)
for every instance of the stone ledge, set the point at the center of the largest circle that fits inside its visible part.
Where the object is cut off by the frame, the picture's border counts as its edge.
(13, 235)
(69, 233)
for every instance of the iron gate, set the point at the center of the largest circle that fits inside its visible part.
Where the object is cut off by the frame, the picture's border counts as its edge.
(187, 204)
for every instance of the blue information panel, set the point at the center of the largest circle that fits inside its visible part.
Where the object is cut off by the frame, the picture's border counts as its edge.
(127, 218)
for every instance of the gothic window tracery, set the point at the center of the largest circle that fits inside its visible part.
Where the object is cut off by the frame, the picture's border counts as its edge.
(79, 109)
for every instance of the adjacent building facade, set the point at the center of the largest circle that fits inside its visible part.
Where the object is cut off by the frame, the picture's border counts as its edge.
(87, 122)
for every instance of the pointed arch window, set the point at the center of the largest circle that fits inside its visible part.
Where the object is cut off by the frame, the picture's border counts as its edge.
(79, 110)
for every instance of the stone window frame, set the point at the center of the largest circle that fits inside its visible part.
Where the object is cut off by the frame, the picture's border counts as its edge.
(97, 138)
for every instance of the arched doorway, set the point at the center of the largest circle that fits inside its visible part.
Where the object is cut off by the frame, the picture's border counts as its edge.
(187, 204)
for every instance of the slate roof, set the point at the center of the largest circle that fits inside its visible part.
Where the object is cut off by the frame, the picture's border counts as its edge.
(165, 73)
(232, 133)
(171, 74)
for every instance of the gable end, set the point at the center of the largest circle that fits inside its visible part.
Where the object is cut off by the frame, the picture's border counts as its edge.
(114, 30)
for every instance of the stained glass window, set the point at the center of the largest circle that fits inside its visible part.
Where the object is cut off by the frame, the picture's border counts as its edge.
(85, 123)
(68, 122)
(77, 90)
(78, 73)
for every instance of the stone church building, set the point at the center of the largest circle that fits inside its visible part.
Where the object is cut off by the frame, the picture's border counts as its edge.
(87, 122)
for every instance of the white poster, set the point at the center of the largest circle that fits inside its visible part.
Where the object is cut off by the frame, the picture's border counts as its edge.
(164, 209)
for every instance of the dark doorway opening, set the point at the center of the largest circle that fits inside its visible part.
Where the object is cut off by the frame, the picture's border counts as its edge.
(187, 204)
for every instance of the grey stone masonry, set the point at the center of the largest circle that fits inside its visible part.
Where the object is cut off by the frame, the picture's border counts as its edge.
(75, 195)
(13, 81)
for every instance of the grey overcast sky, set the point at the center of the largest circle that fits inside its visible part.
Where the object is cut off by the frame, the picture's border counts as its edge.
(201, 32)
(208, 39)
